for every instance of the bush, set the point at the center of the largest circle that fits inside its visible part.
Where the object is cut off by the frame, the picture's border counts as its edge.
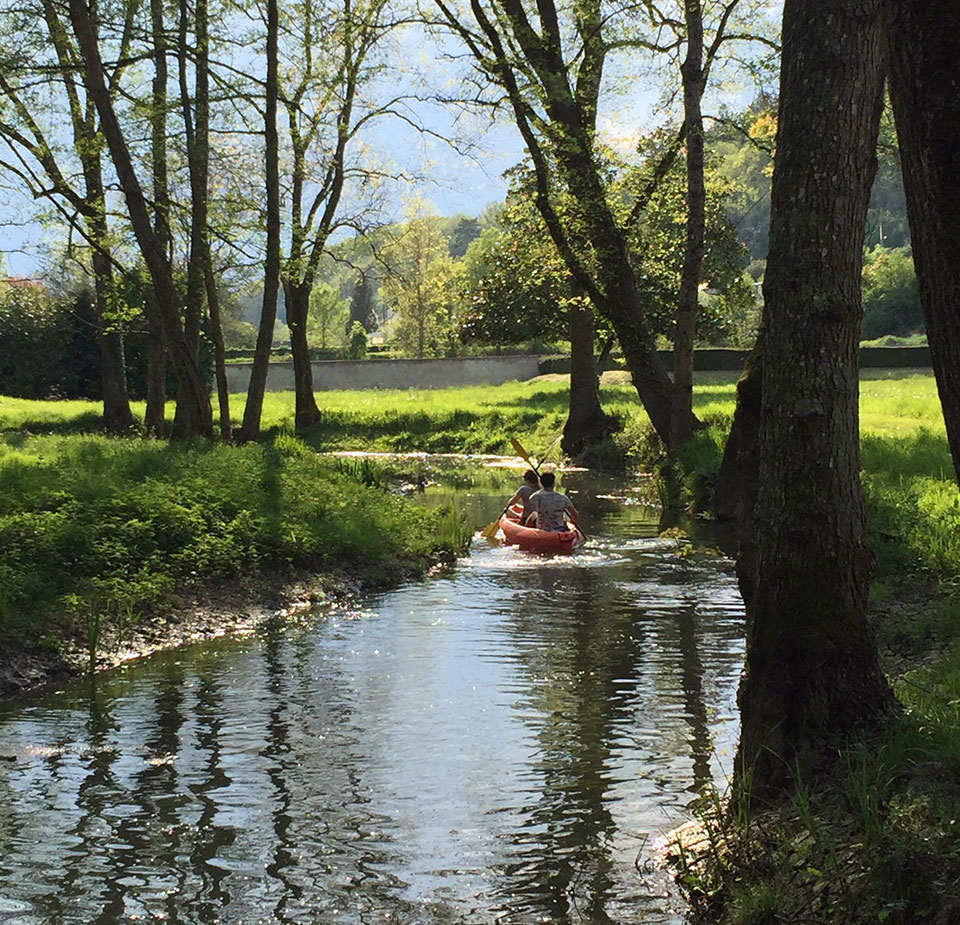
(357, 341)
(891, 299)
(49, 346)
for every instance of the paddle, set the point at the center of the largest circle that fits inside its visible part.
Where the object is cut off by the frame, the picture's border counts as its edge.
(524, 455)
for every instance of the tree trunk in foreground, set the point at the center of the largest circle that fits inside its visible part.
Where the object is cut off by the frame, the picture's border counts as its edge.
(298, 302)
(812, 673)
(586, 423)
(924, 39)
(197, 419)
(736, 492)
(250, 428)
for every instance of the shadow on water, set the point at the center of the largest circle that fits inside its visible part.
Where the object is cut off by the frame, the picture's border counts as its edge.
(499, 744)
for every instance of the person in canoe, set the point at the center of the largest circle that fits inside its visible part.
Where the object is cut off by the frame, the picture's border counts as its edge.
(530, 486)
(550, 508)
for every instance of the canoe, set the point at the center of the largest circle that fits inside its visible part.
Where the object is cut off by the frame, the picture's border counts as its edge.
(534, 540)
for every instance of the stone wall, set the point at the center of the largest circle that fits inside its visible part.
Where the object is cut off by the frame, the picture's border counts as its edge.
(393, 374)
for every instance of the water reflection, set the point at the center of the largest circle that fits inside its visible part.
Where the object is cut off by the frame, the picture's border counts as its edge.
(492, 746)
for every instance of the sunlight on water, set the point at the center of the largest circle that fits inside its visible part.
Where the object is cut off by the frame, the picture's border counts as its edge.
(505, 743)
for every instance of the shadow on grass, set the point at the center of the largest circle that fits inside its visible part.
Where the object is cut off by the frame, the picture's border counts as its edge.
(87, 422)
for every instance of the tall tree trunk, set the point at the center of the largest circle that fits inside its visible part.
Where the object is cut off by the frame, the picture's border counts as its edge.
(924, 39)
(586, 423)
(688, 304)
(250, 429)
(195, 129)
(155, 416)
(812, 673)
(197, 418)
(220, 353)
(194, 119)
(117, 416)
(298, 302)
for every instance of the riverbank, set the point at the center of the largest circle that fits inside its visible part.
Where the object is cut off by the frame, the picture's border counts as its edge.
(116, 547)
(882, 844)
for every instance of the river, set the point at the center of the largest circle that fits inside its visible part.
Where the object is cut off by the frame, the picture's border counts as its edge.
(507, 742)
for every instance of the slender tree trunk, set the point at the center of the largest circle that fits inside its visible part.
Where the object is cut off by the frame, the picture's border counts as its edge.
(250, 429)
(812, 673)
(197, 418)
(586, 423)
(194, 122)
(298, 303)
(924, 39)
(155, 417)
(220, 353)
(688, 305)
(117, 416)
(617, 297)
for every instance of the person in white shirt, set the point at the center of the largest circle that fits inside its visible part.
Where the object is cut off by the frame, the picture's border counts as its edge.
(551, 508)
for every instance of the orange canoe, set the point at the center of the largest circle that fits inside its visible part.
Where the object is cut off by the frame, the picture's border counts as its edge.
(534, 540)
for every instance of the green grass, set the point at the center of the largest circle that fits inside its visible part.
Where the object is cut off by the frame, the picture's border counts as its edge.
(94, 527)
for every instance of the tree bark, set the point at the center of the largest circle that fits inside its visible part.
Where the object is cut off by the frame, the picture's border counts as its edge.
(220, 353)
(250, 429)
(586, 423)
(924, 38)
(117, 416)
(737, 482)
(298, 302)
(688, 303)
(197, 419)
(812, 673)
(155, 416)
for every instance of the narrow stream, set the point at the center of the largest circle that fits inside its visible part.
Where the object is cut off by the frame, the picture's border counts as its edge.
(504, 743)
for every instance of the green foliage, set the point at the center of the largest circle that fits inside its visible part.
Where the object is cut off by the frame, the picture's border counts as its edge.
(94, 531)
(518, 286)
(327, 317)
(891, 299)
(422, 289)
(49, 345)
(357, 341)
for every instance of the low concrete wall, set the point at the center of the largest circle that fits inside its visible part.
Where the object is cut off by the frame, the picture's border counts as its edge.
(393, 374)
(437, 374)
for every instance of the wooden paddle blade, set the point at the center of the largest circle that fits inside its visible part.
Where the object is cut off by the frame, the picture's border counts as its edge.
(521, 452)
(490, 530)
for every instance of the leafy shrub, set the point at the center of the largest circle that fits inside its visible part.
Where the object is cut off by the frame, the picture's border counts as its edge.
(891, 300)
(49, 346)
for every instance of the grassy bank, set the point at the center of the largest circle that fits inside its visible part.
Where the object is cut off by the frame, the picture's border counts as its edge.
(96, 532)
